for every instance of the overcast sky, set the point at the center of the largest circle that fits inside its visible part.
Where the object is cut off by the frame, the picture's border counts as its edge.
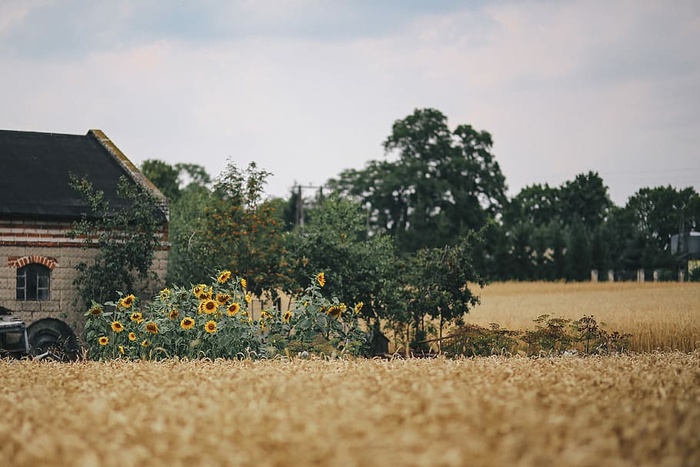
(307, 88)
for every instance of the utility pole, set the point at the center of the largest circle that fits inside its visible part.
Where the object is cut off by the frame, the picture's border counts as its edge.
(299, 222)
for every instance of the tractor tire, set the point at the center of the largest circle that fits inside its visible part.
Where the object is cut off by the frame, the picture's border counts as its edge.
(50, 338)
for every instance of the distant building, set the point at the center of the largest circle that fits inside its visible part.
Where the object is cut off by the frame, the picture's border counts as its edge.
(37, 209)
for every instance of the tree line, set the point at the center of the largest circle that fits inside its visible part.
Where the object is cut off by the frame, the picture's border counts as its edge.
(406, 234)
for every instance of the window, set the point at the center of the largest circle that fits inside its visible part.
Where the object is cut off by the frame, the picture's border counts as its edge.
(33, 282)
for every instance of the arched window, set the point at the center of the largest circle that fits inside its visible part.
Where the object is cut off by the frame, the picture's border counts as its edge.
(33, 282)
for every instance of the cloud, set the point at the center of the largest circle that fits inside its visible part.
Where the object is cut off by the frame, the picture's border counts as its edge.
(308, 88)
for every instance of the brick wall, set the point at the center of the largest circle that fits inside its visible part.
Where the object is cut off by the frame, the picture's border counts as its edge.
(48, 243)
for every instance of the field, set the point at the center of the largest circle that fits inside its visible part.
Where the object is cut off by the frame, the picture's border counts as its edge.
(618, 410)
(597, 411)
(662, 315)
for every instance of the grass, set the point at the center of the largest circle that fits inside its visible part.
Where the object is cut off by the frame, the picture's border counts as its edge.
(662, 315)
(640, 409)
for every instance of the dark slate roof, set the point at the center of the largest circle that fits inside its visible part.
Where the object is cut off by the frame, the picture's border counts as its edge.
(35, 173)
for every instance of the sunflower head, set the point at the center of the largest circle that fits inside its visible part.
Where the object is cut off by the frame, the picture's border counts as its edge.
(165, 294)
(321, 278)
(209, 306)
(127, 301)
(117, 326)
(152, 327)
(244, 283)
(358, 307)
(121, 349)
(224, 276)
(287, 316)
(210, 327)
(187, 323)
(173, 314)
(223, 298)
(248, 298)
(145, 343)
(103, 340)
(334, 311)
(233, 309)
(132, 336)
(96, 311)
(136, 317)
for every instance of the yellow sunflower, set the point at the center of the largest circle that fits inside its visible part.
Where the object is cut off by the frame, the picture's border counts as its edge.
(132, 336)
(96, 310)
(152, 327)
(358, 307)
(187, 323)
(127, 301)
(244, 283)
(334, 311)
(287, 316)
(121, 349)
(117, 326)
(145, 343)
(208, 306)
(233, 309)
(173, 314)
(223, 277)
(321, 278)
(248, 298)
(223, 298)
(264, 315)
(104, 340)
(210, 327)
(165, 294)
(136, 317)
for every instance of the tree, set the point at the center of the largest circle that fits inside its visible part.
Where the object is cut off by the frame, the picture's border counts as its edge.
(126, 239)
(240, 231)
(440, 185)
(358, 267)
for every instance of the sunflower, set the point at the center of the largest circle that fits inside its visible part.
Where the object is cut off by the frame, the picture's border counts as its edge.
(152, 327)
(165, 294)
(321, 278)
(233, 309)
(205, 294)
(210, 327)
(244, 283)
(358, 307)
(223, 298)
(145, 343)
(132, 336)
(248, 298)
(104, 340)
(187, 323)
(208, 306)
(287, 316)
(117, 326)
(127, 301)
(264, 315)
(136, 317)
(121, 349)
(223, 277)
(334, 311)
(96, 311)
(201, 292)
(173, 314)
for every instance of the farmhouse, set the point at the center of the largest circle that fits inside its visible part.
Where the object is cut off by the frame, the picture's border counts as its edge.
(37, 210)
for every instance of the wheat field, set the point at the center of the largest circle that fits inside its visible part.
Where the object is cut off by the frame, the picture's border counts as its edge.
(625, 410)
(659, 315)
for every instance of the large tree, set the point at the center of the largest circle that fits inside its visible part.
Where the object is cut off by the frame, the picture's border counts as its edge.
(436, 185)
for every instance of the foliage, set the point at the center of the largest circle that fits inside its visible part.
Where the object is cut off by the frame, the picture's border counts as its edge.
(126, 241)
(362, 268)
(215, 321)
(442, 183)
(550, 336)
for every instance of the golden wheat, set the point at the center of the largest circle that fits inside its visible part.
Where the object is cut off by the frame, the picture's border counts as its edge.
(641, 409)
(662, 315)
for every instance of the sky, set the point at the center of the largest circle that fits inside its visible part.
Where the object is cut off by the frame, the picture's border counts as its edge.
(309, 88)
